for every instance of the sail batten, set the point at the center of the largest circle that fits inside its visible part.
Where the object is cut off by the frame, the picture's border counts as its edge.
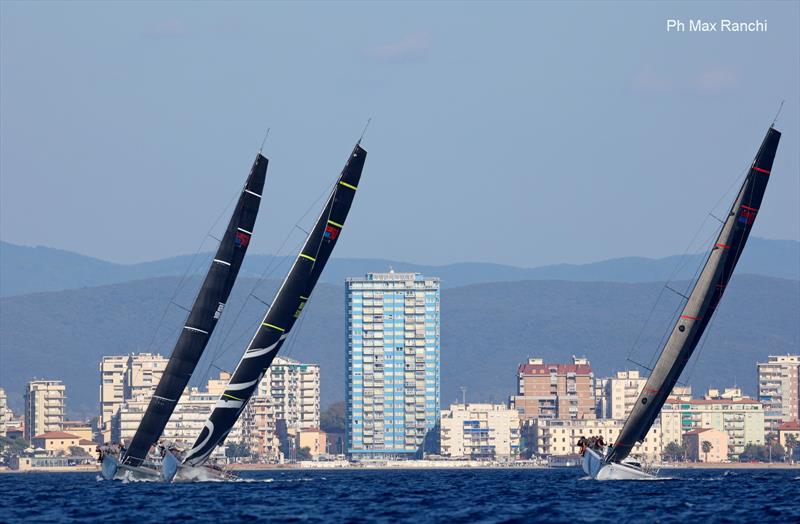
(701, 303)
(282, 314)
(203, 316)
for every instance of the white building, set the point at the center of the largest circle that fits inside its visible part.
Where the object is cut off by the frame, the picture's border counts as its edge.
(741, 418)
(4, 413)
(616, 395)
(554, 437)
(293, 388)
(186, 422)
(779, 389)
(126, 377)
(479, 431)
(44, 407)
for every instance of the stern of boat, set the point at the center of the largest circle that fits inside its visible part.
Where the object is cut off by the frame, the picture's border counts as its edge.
(109, 466)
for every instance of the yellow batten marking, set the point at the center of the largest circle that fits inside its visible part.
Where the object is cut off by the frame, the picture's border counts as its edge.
(302, 255)
(351, 186)
(335, 224)
(273, 327)
(231, 396)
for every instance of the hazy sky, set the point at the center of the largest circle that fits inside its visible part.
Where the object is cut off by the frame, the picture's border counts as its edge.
(512, 133)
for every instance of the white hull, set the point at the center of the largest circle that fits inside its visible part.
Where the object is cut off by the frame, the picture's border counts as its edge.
(111, 469)
(597, 468)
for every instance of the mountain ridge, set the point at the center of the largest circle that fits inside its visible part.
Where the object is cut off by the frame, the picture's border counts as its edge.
(25, 270)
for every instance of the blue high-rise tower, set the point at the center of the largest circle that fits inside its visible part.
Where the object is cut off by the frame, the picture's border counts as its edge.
(392, 364)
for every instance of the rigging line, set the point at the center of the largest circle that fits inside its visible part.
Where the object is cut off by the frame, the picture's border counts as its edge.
(218, 352)
(674, 317)
(778, 113)
(187, 272)
(684, 260)
(260, 149)
(648, 319)
(297, 332)
(364, 131)
(220, 349)
(663, 340)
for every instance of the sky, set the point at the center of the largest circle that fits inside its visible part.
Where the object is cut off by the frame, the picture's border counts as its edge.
(514, 133)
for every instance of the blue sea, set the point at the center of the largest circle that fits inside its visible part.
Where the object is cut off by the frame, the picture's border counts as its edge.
(415, 496)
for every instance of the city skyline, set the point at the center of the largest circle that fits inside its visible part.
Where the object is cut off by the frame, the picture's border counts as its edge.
(490, 431)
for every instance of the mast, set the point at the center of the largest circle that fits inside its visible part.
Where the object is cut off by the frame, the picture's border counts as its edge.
(203, 317)
(702, 302)
(283, 313)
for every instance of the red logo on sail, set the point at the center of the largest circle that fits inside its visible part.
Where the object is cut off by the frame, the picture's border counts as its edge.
(241, 239)
(330, 233)
(747, 215)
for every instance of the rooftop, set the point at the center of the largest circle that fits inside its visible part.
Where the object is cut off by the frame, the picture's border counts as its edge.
(55, 434)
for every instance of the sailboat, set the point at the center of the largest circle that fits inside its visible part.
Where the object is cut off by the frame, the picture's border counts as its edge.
(278, 321)
(614, 463)
(196, 332)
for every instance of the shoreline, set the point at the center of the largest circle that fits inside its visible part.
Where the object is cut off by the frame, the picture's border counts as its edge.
(433, 466)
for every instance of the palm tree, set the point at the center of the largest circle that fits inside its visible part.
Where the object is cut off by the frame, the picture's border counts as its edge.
(791, 445)
(706, 448)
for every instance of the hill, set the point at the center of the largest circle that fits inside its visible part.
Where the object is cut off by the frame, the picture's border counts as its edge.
(35, 269)
(487, 330)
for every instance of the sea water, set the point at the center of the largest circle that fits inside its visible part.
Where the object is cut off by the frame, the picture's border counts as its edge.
(416, 496)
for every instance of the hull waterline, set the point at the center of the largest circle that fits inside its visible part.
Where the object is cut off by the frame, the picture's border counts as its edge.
(596, 467)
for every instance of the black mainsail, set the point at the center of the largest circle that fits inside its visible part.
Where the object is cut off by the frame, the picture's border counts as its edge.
(702, 302)
(283, 313)
(203, 317)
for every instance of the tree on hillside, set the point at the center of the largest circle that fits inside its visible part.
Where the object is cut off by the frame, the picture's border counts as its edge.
(332, 419)
(707, 446)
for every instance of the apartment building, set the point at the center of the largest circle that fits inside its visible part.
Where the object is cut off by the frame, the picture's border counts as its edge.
(555, 391)
(741, 418)
(555, 437)
(479, 431)
(392, 364)
(616, 395)
(779, 389)
(44, 407)
(4, 412)
(293, 388)
(123, 378)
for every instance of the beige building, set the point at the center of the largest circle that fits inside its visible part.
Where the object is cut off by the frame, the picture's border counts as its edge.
(718, 445)
(741, 419)
(44, 407)
(479, 431)
(313, 439)
(788, 429)
(81, 429)
(553, 437)
(616, 395)
(293, 388)
(555, 391)
(126, 377)
(56, 442)
(779, 389)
